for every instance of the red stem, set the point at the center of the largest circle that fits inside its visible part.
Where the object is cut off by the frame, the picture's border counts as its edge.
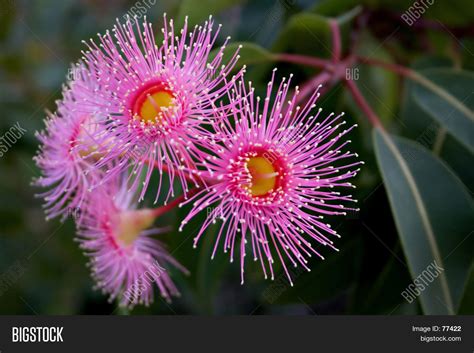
(163, 209)
(363, 105)
(389, 66)
(176, 202)
(337, 72)
(336, 40)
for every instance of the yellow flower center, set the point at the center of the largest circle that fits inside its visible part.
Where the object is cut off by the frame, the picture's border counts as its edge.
(132, 223)
(151, 103)
(263, 174)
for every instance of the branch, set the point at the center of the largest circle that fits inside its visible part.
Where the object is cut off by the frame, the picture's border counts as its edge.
(363, 105)
(389, 66)
(336, 40)
(176, 202)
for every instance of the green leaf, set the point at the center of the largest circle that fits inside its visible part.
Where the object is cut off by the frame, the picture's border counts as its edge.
(467, 302)
(310, 34)
(249, 54)
(458, 157)
(416, 122)
(433, 213)
(199, 11)
(419, 125)
(468, 49)
(305, 33)
(447, 96)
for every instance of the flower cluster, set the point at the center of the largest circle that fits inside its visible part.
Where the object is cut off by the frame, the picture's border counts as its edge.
(161, 113)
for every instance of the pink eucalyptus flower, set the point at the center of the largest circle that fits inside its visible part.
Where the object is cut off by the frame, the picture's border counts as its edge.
(70, 145)
(125, 259)
(279, 169)
(156, 98)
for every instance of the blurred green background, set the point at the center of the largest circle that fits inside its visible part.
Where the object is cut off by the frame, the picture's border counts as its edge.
(42, 270)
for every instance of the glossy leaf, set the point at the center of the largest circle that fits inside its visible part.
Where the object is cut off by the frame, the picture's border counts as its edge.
(447, 96)
(458, 157)
(310, 33)
(433, 213)
(415, 121)
(305, 33)
(420, 126)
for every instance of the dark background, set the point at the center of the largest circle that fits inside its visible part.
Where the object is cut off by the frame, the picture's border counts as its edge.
(43, 270)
